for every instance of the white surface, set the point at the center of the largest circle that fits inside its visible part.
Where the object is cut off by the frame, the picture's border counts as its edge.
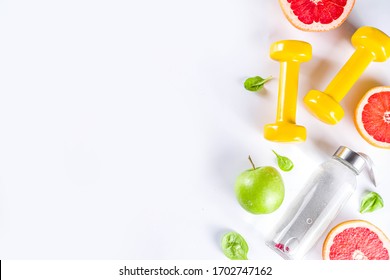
(125, 123)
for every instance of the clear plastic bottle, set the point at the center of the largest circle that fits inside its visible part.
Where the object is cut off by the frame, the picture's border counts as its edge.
(309, 215)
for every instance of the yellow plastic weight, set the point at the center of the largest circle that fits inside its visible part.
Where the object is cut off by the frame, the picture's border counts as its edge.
(290, 53)
(371, 45)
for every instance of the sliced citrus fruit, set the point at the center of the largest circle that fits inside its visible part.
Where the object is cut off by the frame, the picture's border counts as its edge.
(372, 117)
(316, 15)
(356, 240)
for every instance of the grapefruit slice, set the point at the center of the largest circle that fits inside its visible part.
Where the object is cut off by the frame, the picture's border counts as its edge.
(356, 240)
(372, 117)
(316, 15)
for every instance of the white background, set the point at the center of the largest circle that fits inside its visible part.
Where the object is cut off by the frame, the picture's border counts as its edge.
(110, 269)
(123, 124)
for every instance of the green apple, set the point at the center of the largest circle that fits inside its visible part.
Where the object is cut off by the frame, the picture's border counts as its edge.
(260, 190)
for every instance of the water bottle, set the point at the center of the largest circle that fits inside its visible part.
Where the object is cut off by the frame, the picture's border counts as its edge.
(315, 207)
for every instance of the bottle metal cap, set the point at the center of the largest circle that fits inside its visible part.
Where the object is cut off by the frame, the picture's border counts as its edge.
(353, 159)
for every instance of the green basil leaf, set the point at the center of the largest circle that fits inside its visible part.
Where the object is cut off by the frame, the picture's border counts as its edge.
(255, 83)
(371, 202)
(284, 163)
(234, 246)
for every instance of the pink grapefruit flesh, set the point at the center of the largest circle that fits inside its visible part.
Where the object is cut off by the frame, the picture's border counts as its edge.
(356, 240)
(316, 15)
(372, 117)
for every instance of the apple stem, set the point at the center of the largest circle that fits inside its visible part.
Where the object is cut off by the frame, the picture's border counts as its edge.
(253, 165)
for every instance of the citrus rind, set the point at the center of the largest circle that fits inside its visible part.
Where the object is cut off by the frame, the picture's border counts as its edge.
(358, 118)
(316, 26)
(351, 224)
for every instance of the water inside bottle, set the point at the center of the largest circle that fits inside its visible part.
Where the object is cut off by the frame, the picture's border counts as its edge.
(310, 215)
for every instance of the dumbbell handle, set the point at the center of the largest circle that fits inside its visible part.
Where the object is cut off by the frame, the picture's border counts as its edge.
(349, 74)
(288, 93)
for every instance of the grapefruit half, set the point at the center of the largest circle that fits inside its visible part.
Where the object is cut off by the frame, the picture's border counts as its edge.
(372, 117)
(356, 240)
(316, 15)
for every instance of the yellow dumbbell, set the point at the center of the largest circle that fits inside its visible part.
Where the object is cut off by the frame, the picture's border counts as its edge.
(371, 45)
(290, 53)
